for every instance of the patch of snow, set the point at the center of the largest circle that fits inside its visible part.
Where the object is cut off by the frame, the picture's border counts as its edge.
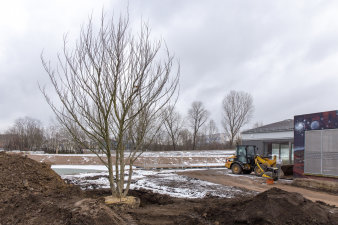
(199, 153)
(83, 167)
(160, 181)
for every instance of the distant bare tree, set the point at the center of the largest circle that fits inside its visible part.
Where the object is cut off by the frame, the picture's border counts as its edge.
(159, 140)
(197, 116)
(258, 124)
(53, 138)
(58, 139)
(111, 86)
(173, 124)
(212, 132)
(237, 111)
(26, 134)
(185, 138)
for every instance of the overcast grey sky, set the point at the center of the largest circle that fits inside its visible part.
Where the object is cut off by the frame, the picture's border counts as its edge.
(285, 53)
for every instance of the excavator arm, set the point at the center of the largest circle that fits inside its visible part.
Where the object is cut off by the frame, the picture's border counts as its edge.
(266, 167)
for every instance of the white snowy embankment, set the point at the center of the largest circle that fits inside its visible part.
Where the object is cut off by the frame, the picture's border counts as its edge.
(199, 153)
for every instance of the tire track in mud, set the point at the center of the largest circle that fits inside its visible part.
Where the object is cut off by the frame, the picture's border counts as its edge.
(250, 182)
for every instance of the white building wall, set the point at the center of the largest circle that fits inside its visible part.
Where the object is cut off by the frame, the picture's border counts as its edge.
(268, 136)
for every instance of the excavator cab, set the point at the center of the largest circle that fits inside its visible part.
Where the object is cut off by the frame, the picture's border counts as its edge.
(244, 162)
(246, 154)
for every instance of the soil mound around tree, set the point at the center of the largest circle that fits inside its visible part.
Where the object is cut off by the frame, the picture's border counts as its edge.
(32, 193)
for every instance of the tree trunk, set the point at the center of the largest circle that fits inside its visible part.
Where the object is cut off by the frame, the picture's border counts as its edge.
(129, 178)
(194, 141)
(111, 175)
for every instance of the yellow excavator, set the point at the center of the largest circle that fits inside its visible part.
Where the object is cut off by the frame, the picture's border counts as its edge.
(246, 161)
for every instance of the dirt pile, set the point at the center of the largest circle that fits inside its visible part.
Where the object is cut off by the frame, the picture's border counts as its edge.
(32, 193)
(20, 175)
(284, 208)
(274, 206)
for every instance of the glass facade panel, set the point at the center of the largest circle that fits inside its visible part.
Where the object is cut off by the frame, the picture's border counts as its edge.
(285, 153)
(282, 152)
(275, 151)
(292, 153)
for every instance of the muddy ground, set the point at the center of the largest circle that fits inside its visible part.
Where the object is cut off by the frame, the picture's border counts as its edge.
(32, 193)
(253, 183)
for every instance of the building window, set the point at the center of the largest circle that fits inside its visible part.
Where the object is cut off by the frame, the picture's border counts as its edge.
(283, 152)
(275, 150)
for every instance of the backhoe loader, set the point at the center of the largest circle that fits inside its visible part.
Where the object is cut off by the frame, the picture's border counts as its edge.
(246, 161)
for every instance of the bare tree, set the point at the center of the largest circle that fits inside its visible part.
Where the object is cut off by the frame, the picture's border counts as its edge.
(26, 134)
(58, 139)
(111, 86)
(237, 111)
(197, 116)
(159, 140)
(185, 138)
(258, 124)
(212, 131)
(173, 124)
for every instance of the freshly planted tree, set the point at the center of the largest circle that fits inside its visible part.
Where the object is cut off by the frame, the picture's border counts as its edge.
(237, 111)
(112, 86)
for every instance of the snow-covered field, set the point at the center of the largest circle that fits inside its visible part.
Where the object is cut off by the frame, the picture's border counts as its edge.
(148, 160)
(159, 181)
(197, 153)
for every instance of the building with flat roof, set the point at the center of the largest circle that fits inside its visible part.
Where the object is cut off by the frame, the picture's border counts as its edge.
(273, 139)
(309, 142)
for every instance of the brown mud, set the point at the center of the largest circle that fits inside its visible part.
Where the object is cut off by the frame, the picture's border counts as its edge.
(32, 193)
(253, 183)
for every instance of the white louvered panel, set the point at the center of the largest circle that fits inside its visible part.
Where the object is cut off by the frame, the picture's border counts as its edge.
(321, 152)
(312, 153)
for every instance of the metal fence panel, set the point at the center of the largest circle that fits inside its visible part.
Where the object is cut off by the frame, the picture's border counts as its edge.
(330, 152)
(321, 152)
(312, 153)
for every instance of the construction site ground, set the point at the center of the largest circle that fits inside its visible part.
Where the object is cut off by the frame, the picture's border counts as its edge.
(251, 182)
(199, 159)
(32, 193)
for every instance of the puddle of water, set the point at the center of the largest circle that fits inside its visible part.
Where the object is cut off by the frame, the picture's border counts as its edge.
(73, 171)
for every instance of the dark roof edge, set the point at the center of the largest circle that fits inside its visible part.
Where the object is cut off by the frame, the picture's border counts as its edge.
(280, 126)
(316, 113)
(267, 131)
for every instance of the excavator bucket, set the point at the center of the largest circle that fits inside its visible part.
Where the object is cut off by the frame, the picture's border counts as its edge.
(266, 167)
(271, 173)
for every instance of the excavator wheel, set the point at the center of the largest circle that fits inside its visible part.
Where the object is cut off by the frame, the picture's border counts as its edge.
(236, 169)
(258, 171)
